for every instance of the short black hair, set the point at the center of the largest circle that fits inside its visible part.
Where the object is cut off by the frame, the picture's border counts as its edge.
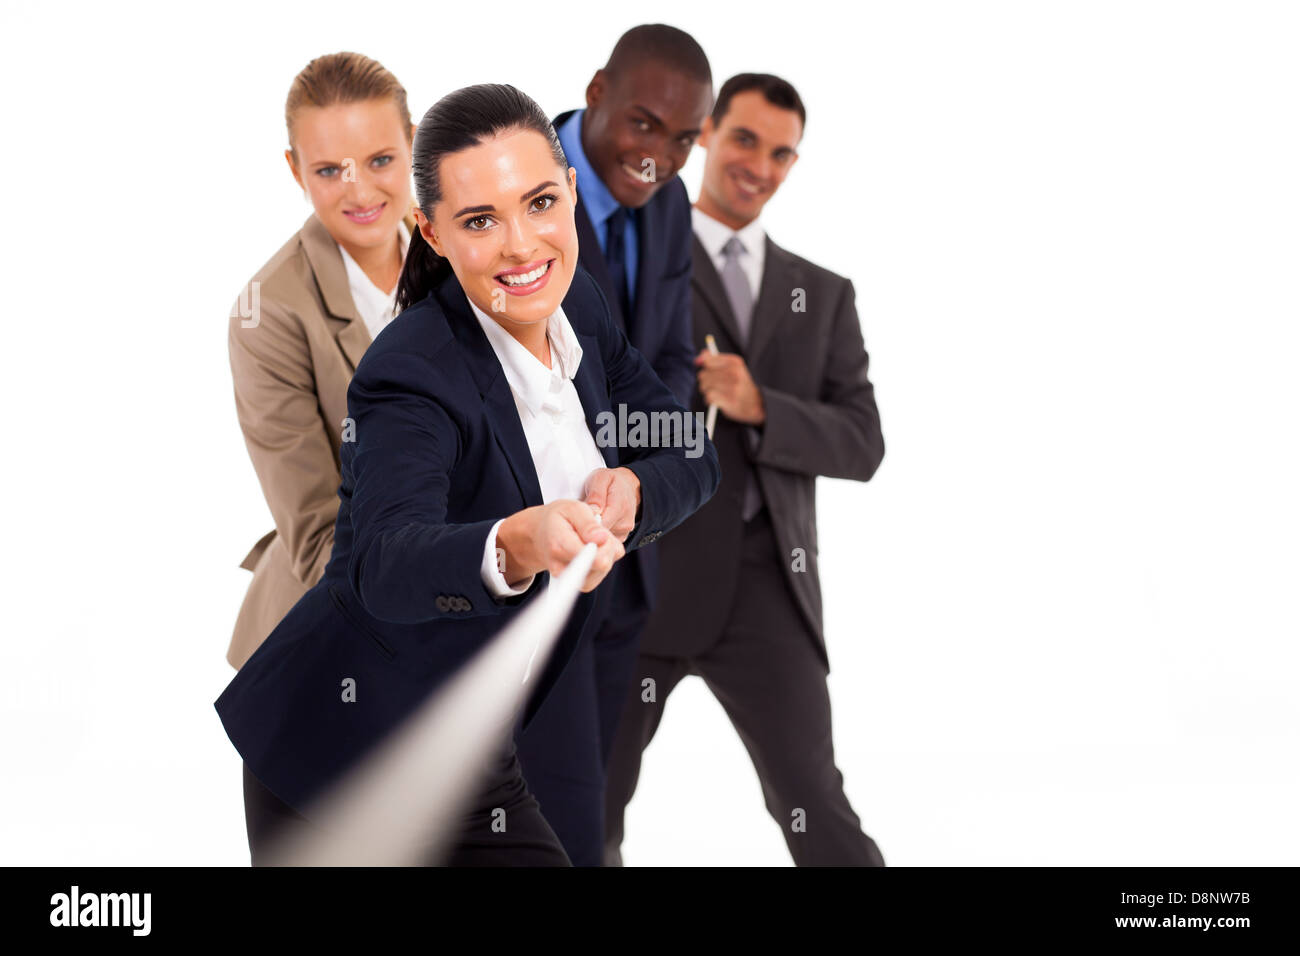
(775, 90)
(664, 44)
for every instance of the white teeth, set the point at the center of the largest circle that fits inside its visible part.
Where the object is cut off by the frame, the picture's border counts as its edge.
(525, 277)
(752, 190)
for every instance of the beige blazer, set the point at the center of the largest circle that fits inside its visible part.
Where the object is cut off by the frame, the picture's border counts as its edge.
(295, 340)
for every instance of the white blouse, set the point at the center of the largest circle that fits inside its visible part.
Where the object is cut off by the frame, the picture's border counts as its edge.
(376, 307)
(563, 449)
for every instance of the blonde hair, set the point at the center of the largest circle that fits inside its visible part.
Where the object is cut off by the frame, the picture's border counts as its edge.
(343, 78)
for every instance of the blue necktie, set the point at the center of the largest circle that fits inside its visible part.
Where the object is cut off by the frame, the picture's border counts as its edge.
(615, 258)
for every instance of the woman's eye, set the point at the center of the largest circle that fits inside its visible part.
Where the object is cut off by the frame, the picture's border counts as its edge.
(382, 160)
(327, 171)
(469, 223)
(548, 199)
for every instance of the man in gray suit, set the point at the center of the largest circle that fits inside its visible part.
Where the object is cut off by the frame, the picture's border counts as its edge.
(739, 599)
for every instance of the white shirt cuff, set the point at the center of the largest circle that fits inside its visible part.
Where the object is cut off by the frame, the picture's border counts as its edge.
(493, 579)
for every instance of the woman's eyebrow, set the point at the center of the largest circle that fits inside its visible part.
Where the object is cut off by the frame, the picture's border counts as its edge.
(524, 198)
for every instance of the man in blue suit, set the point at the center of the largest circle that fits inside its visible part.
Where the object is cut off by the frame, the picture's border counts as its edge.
(644, 110)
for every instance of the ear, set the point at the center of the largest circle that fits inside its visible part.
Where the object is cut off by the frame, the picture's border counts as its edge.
(596, 88)
(293, 168)
(573, 185)
(426, 230)
(414, 130)
(706, 132)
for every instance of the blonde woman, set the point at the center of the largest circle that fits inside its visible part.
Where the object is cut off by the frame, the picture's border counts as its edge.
(305, 319)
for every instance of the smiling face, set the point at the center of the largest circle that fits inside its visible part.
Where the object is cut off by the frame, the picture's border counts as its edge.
(646, 112)
(354, 161)
(505, 223)
(749, 155)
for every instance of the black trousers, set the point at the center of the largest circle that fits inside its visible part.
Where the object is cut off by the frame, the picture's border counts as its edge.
(566, 747)
(766, 671)
(527, 839)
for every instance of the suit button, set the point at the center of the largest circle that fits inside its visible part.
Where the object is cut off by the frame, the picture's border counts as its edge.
(464, 604)
(442, 603)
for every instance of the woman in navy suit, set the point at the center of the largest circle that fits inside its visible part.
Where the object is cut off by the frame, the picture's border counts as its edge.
(472, 472)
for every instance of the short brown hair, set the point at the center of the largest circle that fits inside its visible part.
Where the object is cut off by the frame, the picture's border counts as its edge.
(343, 78)
(775, 90)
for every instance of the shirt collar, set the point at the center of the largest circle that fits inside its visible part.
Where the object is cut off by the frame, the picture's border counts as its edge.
(534, 384)
(596, 197)
(359, 283)
(714, 235)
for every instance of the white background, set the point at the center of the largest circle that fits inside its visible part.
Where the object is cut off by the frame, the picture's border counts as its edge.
(1062, 617)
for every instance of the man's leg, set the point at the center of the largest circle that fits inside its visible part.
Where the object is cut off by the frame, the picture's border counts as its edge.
(636, 727)
(769, 676)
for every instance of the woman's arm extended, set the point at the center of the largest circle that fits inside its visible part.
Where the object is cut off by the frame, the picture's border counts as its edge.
(407, 560)
(406, 555)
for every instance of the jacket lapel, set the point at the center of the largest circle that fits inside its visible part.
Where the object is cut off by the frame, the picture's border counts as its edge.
(498, 400)
(705, 278)
(326, 262)
(593, 260)
(648, 271)
(592, 391)
(781, 276)
(332, 279)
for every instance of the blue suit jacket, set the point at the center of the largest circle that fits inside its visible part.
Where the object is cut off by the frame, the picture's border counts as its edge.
(660, 329)
(439, 455)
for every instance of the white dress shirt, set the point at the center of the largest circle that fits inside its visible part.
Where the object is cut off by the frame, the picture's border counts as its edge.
(713, 235)
(376, 307)
(563, 450)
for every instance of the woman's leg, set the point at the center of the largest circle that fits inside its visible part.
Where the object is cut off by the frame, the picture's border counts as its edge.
(266, 817)
(505, 826)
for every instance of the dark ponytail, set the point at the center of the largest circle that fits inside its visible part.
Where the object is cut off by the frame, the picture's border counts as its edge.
(458, 121)
(423, 270)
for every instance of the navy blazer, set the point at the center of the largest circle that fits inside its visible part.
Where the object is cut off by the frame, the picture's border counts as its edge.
(661, 327)
(438, 456)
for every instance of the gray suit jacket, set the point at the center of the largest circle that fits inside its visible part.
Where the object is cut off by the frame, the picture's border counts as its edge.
(811, 367)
